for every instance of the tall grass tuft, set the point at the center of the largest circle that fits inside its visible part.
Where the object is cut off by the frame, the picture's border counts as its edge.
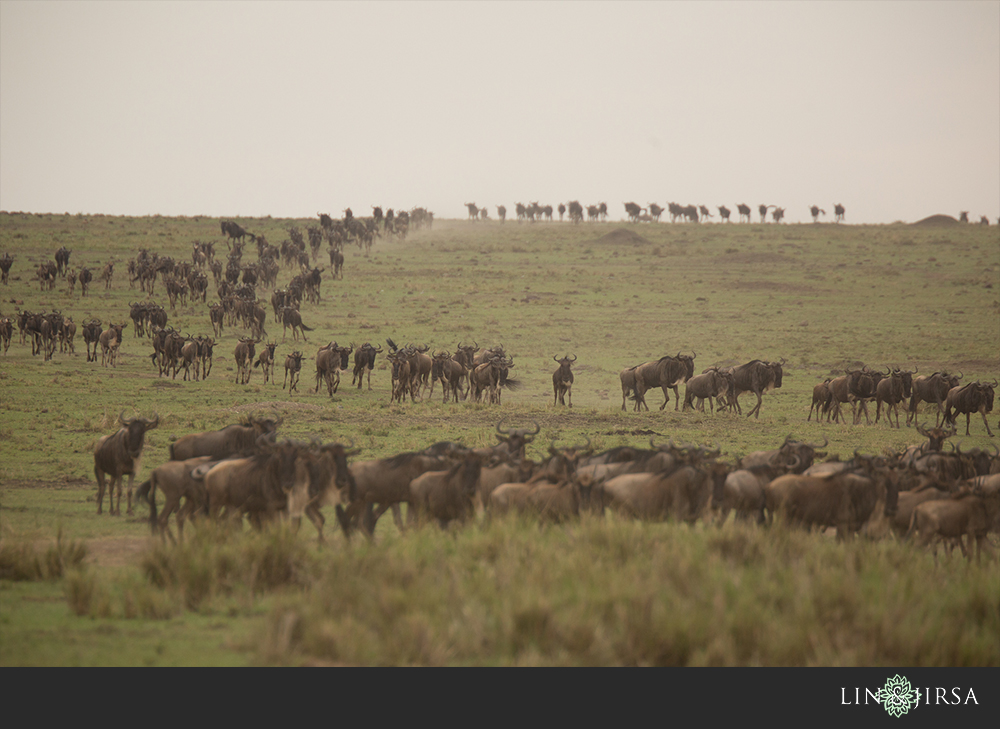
(621, 593)
(20, 561)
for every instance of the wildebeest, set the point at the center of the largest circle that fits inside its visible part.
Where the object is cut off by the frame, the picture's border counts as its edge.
(972, 511)
(710, 384)
(85, 278)
(273, 481)
(177, 481)
(451, 373)
(724, 212)
(757, 377)
(816, 211)
(448, 495)
(667, 373)
(975, 397)
(893, 390)
(92, 337)
(111, 339)
(265, 360)
(6, 261)
(364, 359)
(633, 211)
(243, 355)
(562, 381)
(293, 365)
(821, 399)
(237, 439)
(931, 388)
(119, 455)
(845, 500)
(838, 212)
(744, 211)
(330, 360)
(762, 209)
(6, 332)
(290, 317)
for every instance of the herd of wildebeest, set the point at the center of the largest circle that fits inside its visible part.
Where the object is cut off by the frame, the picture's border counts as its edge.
(935, 491)
(245, 469)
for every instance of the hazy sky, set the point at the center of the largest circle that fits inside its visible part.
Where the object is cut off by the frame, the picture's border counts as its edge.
(290, 109)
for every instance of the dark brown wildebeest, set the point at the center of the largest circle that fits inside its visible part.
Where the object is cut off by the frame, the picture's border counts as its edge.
(206, 346)
(931, 388)
(704, 212)
(762, 209)
(273, 481)
(893, 390)
(821, 399)
(448, 495)
(92, 336)
(562, 381)
(975, 397)
(265, 360)
(838, 212)
(633, 211)
(85, 278)
(337, 261)
(757, 377)
(451, 374)
(815, 211)
(502, 213)
(290, 317)
(401, 379)
(6, 332)
(364, 359)
(233, 440)
(330, 360)
(744, 211)
(330, 482)
(5, 263)
(575, 210)
(62, 260)
(293, 365)
(724, 213)
(963, 216)
(189, 357)
(562, 211)
(777, 214)
(655, 211)
(972, 511)
(846, 500)
(243, 354)
(386, 482)
(682, 494)
(667, 373)
(118, 455)
(107, 273)
(473, 211)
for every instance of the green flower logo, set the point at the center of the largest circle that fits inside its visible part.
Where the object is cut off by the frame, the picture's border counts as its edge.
(897, 696)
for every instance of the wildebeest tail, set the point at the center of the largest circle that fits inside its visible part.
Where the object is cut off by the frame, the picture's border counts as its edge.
(308, 329)
(512, 384)
(145, 492)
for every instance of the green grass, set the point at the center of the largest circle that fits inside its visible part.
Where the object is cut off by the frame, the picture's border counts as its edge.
(823, 297)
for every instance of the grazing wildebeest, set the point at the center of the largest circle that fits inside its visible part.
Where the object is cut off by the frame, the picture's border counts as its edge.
(293, 365)
(975, 397)
(265, 360)
(757, 377)
(816, 212)
(233, 440)
(667, 373)
(562, 381)
(724, 213)
(243, 354)
(118, 455)
(838, 212)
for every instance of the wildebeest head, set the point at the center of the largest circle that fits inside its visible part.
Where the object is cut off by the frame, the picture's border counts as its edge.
(136, 431)
(517, 439)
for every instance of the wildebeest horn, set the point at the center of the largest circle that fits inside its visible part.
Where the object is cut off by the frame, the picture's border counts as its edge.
(826, 442)
(537, 429)
(574, 357)
(499, 429)
(152, 423)
(122, 419)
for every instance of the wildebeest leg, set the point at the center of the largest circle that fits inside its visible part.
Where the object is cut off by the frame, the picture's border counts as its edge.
(756, 408)
(131, 478)
(983, 413)
(100, 488)
(316, 517)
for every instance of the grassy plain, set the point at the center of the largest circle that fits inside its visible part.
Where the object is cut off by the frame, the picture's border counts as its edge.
(820, 296)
